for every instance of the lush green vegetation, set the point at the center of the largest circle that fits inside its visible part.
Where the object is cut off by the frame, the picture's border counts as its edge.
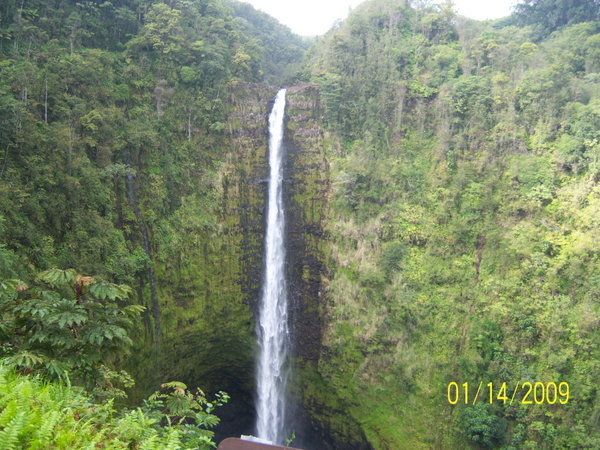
(72, 330)
(114, 144)
(38, 414)
(96, 97)
(71, 326)
(460, 234)
(546, 16)
(281, 51)
(463, 223)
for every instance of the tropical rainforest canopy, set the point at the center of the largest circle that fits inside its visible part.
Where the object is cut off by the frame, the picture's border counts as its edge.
(460, 235)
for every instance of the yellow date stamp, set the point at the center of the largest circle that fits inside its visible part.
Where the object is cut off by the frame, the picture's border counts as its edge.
(526, 393)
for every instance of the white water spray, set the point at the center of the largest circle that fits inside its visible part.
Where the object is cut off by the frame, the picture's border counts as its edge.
(273, 334)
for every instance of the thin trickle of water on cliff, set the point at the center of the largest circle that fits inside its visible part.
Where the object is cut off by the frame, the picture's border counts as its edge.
(273, 332)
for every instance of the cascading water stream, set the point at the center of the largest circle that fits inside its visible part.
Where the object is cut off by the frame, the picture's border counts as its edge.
(273, 333)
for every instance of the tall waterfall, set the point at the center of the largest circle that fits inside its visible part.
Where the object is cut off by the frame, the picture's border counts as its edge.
(273, 334)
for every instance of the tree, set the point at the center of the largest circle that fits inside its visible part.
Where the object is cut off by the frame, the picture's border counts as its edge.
(189, 413)
(547, 16)
(67, 325)
(162, 31)
(482, 426)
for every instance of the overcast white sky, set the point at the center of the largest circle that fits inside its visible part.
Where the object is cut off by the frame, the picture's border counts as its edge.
(312, 17)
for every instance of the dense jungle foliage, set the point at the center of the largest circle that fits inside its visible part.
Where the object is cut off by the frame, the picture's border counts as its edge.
(464, 223)
(38, 414)
(461, 238)
(112, 146)
(95, 96)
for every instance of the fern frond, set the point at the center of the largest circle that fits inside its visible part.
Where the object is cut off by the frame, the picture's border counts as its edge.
(172, 440)
(150, 443)
(42, 436)
(9, 437)
(8, 412)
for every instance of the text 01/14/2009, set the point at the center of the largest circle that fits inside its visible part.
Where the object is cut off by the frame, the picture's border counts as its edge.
(526, 393)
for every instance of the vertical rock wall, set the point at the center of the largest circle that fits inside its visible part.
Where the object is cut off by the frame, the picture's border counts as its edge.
(322, 420)
(306, 200)
(208, 291)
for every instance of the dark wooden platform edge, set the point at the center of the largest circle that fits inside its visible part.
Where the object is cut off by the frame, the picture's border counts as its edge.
(239, 444)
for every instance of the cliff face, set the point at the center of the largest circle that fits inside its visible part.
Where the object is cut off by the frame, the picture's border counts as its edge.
(306, 201)
(322, 419)
(208, 291)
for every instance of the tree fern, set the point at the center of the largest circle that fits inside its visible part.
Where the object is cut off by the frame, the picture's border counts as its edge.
(72, 327)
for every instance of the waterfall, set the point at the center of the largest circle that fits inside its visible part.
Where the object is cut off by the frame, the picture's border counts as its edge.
(273, 334)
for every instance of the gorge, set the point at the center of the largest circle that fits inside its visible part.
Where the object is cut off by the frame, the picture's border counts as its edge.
(439, 185)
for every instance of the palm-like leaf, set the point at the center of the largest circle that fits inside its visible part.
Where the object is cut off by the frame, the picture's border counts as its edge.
(67, 313)
(58, 277)
(75, 324)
